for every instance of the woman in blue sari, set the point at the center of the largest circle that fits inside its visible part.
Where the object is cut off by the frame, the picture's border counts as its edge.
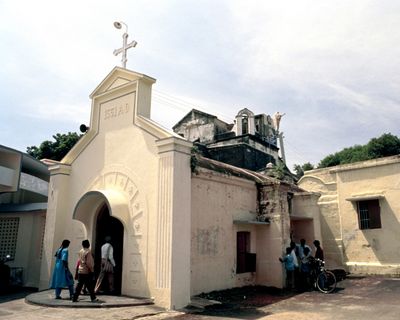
(62, 277)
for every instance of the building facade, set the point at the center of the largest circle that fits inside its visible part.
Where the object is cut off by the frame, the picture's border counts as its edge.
(359, 214)
(23, 204)
(251, 142)
(181, 223)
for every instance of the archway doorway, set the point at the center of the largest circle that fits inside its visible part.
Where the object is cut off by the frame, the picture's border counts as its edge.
(107, 225)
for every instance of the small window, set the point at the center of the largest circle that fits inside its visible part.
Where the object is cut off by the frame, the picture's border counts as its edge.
(369, 214)
(246, 261)
(245, 125)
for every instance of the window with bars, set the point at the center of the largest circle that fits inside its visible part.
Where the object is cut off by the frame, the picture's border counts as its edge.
(8, 236)
(369, 214)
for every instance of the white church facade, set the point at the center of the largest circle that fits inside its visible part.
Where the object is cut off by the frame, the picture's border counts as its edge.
(180, 224)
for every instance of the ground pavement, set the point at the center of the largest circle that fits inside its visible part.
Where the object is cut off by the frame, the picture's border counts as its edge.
(361, 298)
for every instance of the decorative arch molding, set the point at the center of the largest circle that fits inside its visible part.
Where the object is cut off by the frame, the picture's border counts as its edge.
(123, 193)
(245, 112)
(316, 184)
(87, 207)
(120, 184)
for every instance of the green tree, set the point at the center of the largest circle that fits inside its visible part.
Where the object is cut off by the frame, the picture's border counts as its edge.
(384, 146)
(55, 150)
(299, 169)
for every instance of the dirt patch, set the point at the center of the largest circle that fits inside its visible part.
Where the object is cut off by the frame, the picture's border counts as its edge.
(237, 303)
(248, 296)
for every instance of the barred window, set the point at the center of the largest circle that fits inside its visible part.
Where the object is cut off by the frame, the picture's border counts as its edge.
(8, 236)
(369, 214)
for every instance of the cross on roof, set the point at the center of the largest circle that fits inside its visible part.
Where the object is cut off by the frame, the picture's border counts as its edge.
(125, 47)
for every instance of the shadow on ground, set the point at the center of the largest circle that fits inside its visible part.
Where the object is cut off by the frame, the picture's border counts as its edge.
(14, 293)
(238, 303)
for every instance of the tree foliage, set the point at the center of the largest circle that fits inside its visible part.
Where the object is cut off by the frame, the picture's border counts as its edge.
(55, 150)
(299, 169)
(384, 146)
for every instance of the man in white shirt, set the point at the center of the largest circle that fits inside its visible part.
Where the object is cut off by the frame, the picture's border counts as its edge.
(107, 266)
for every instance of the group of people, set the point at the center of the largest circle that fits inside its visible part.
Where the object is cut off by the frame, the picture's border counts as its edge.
(84, 273)
(298, 262)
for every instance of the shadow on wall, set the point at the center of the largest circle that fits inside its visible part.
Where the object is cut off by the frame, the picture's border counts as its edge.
(331, 241)
(112, 227)
(382, 243)
(303, 229)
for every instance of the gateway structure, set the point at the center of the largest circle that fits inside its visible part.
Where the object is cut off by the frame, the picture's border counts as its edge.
(181, 223)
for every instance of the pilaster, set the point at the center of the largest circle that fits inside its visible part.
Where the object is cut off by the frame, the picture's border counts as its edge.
(273, 207)
(173, 223)
(55, 219)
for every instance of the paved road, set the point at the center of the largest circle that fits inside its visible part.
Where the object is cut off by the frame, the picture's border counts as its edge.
(356, 299)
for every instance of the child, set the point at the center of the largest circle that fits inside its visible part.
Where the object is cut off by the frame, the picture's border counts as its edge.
(289, 266)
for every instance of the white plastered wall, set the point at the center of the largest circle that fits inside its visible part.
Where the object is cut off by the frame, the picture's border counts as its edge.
(219, 201)
(371, 251)
(119, 162)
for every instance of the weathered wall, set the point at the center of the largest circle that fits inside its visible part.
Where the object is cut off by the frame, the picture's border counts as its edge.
(223, 205)
(274, 208)
(363, 251)
(217, 200)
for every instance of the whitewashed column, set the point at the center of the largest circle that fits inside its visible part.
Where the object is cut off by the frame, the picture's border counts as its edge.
(173, 222)
(55, 219)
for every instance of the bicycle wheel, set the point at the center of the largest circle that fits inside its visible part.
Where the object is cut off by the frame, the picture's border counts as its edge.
(326, 281)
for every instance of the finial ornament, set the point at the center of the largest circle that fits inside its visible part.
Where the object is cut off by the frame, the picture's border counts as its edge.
(125, 44)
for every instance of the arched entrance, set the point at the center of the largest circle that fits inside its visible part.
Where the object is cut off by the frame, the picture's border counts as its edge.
(107, 225)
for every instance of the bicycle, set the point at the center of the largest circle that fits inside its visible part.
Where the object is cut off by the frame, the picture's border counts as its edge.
(324, 280)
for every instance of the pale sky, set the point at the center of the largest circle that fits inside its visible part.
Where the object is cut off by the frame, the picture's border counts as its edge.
(332, 66)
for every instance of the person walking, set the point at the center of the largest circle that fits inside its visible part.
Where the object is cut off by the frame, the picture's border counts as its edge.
(85, 272)
(62, 276)
(107, 266)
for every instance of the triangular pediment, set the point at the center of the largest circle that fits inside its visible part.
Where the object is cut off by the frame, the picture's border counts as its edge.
(119, 77)
(122, 101)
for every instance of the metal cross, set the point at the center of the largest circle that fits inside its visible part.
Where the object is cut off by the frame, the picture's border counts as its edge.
(125, 47)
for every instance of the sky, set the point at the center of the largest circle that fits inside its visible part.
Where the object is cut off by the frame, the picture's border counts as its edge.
(333, 67)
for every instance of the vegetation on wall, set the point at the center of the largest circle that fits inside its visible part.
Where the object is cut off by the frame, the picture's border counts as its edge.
(55, 150)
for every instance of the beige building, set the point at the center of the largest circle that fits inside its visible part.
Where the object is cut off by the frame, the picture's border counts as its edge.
(359, 214)
(181, 224)
(23, 203)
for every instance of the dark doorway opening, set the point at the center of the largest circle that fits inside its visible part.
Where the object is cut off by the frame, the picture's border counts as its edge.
(109, 226)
